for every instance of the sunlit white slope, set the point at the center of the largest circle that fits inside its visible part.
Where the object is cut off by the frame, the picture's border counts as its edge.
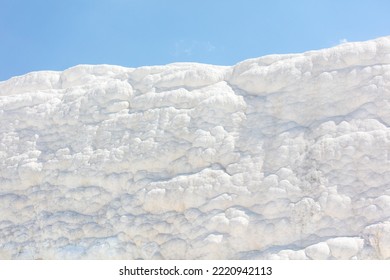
(283, 156)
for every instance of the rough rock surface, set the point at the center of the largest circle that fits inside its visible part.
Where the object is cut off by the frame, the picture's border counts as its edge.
(278, 157)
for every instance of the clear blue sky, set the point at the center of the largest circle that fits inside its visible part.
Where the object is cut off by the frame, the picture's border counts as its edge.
(55, 35)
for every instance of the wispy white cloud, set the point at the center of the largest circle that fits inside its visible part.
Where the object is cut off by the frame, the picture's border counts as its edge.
(342, 41)
(186, 48)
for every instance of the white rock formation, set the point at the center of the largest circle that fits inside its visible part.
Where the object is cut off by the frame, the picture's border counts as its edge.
(278, 157)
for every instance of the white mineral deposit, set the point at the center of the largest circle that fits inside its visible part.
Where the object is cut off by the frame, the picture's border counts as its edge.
(277, 157)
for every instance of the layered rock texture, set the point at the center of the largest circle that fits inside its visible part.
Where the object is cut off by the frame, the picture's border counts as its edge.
(278, 157)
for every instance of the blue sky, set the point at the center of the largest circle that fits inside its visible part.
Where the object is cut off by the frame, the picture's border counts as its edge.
(54, 35)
